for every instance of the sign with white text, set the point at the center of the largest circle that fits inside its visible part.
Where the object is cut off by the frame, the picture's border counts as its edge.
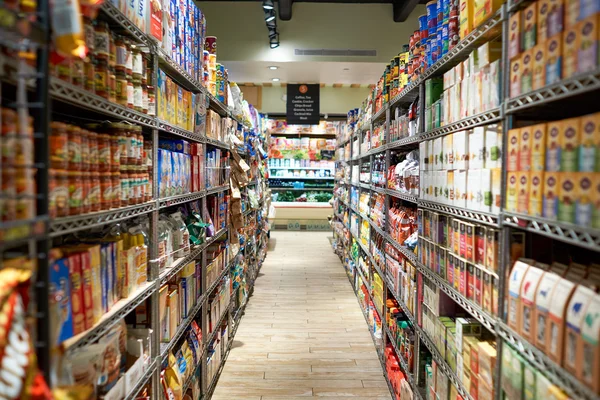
(303, 104)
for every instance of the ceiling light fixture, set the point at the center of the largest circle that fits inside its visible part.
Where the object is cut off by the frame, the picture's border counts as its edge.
(269, 15)
(274, 40)
(268, 4)
(275, 79)
(273, 67)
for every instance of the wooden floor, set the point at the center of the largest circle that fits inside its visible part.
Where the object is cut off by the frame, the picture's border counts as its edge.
(303, 334)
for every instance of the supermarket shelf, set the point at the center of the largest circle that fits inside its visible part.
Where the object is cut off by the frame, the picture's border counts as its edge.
(379, 114)
(484, 118)
(192, 376)
(377, 189)
(410, 141)
(217, 143)
(409, 375)
(563, 231)
(362, 275)
(217, 106)
(516, 5)
(165, 348)
(375, 227)
(343, 143)
(211, 388)
(111, 318)
(174, 130)
(217, 189)
(485, 32)
(377, 267)
(408, 253)
(477, 312)
(213, 334)
(79, 97)
(407, 95)
(555, 373)
(403, 196)
(115, 16)
(564, 89)
(327, 178)
(76, 223)
(20, 232)
(169, 272)
(309, 168)
(276, 189)
(180, 199)
(176, 72)
(479, 217)
(142, 381)
(376, 150)
(364, 185)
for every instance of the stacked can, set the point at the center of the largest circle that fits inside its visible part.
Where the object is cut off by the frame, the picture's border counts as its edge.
(453, 25)
(221, 83)
(432, 31)
(210, 64)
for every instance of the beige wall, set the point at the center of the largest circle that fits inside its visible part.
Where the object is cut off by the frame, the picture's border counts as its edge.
(242, 34)
(333, 100)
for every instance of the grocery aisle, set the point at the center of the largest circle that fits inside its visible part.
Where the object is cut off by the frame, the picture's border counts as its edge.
(303, 334)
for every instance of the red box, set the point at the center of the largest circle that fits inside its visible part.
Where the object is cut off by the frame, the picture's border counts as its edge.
(86, 279)
(76, 293)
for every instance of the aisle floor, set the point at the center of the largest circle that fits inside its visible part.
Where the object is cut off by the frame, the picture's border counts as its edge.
(303, 334)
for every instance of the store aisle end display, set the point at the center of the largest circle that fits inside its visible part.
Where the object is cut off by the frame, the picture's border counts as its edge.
(139, 235)
(466, 205)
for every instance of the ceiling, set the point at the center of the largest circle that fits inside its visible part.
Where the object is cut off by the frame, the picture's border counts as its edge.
(329, 73)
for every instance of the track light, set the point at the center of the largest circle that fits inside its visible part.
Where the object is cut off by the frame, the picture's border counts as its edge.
(269, 16)
(274, 40)
(268, 4)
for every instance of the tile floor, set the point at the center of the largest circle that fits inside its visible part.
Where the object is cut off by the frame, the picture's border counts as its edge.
(303, 334)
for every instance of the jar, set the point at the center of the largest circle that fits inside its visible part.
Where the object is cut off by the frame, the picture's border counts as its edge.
(137, 67)
(144, 68)
(120, 62)
(143, 186)
(139, 193)
(116, 189)
(89, 34)
(144, 98)
(106, 193)
(85, 150)
(94, 196)
(121, 88)
(148, 184)
(101, 40)
(93, 144)
(101, 79)
(137, 95)
(74, 146)
(128, 59)
(124, 177)
(103, 152)
(151, 101)
(77, 72)
(139, 144)
(86, 185)
(26, 189)
(89, 69)
(131, 145)
(58, 193)
(112, 55)
(115, 155)
(112, 85)
(59, 153)
(75, 193)
(129, 92)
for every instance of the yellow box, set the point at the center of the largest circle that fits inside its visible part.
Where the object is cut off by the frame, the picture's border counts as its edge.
(569, 144)
(484, 9)
(554, 59)
(568, 192)
(550, 197)
(523, 192)
(587, 45)
(538, 147)
(465, 18)
(584, 206)
(536, 186)
(570, 46)
(525, 143)
(514, 35)
(511, 191)
(571, 13)
(542, 20)
(538, 80)
(530, 26)
(514, 136)
(527, 71)
(515, 77)
(589, 148)
(553, 146)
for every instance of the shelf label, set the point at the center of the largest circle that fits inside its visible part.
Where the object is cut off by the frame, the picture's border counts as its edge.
(303, 104)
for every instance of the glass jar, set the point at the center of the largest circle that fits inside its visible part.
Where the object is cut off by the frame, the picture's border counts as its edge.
(101, 40)
(137, 95)
(90, 75)
(74, 146)
(120, 62)
(85, 150)
(144, 68)
(112, 55)
(116, 189)
(101, 79)
(131, 145)
(93, 144)
(89, 34)
(148, 184)
(115, 156)
(151, 101)
(124, 177)
(59, 153)
(86, 185)
(121, 88)
(112, 85)
(58, 189)
(139, 144)
(95, 189)
(75, 193)
(129, 92)
(137, 65)
(144, 98)
(77, 72)
(103, 153)
(128, 59)
(106, 192)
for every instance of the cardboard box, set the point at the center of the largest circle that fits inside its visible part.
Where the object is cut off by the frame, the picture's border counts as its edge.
(551, 195)
(587, 53)
(514, 35)
(543, 7)
(488, 53)
(588, 356)
(528, 291)
(514, 137)
(465, 18)
(461, 150)
(589, 148)
(487, 362)
(584, 206)
(561, 295)
(525, 146)
(523, 187)
(530, 26)
(554, 59)
(529, 374)
(553, 146)
(493, 146)
(460, 188)
(476, 147)
(485, 191)
(571, 13)
(570, 47)
(539, 66)
(517, 275)
(511, 191)
(576, 312)
(538, 147)
(496, 186)
(515, 76)
(536, 187)
(570, 138)
(568, 193)
(555, 17)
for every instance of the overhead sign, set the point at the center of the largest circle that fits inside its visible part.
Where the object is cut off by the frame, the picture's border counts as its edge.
(303, 104)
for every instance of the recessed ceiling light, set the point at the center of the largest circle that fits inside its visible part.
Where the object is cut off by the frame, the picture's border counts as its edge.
(346, 69)
(275, 79)
(273, 67)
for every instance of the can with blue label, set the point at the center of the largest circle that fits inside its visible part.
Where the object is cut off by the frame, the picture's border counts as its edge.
(433, 45)
(445, 39)
(423, 26)
(432, 15)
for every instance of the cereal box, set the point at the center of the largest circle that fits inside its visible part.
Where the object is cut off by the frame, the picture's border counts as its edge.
(543, 7)
(465, 18)
(553, 146)
(569, 144)
(583, 204)
(556, 318)
(523, 192)
(571, 13)
(570, 47)
(554, 59)
(550, 198)
(484, 9)
(514, 293)
(514, 35)
(496, 185)
(530, 26)
(539, 66)
(525, 143)
(515, 76)
(536, 193)
(514, 136)
(555, 17)
(542, 304)
(60, 298)
(528, 289)
(476, 147)
(538, 147)
(576, 311)
(596, 203)
(588, 356)
(527, 71)
(568, 193)
(511, 191)
(587, 47)
(588, 8)
(589, 148)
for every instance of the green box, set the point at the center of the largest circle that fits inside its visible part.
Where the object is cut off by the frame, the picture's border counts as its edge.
(433, 90)
(518, 377)
(507, 375)
(529, 382)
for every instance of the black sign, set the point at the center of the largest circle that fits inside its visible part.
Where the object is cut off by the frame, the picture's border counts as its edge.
(303, 106)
